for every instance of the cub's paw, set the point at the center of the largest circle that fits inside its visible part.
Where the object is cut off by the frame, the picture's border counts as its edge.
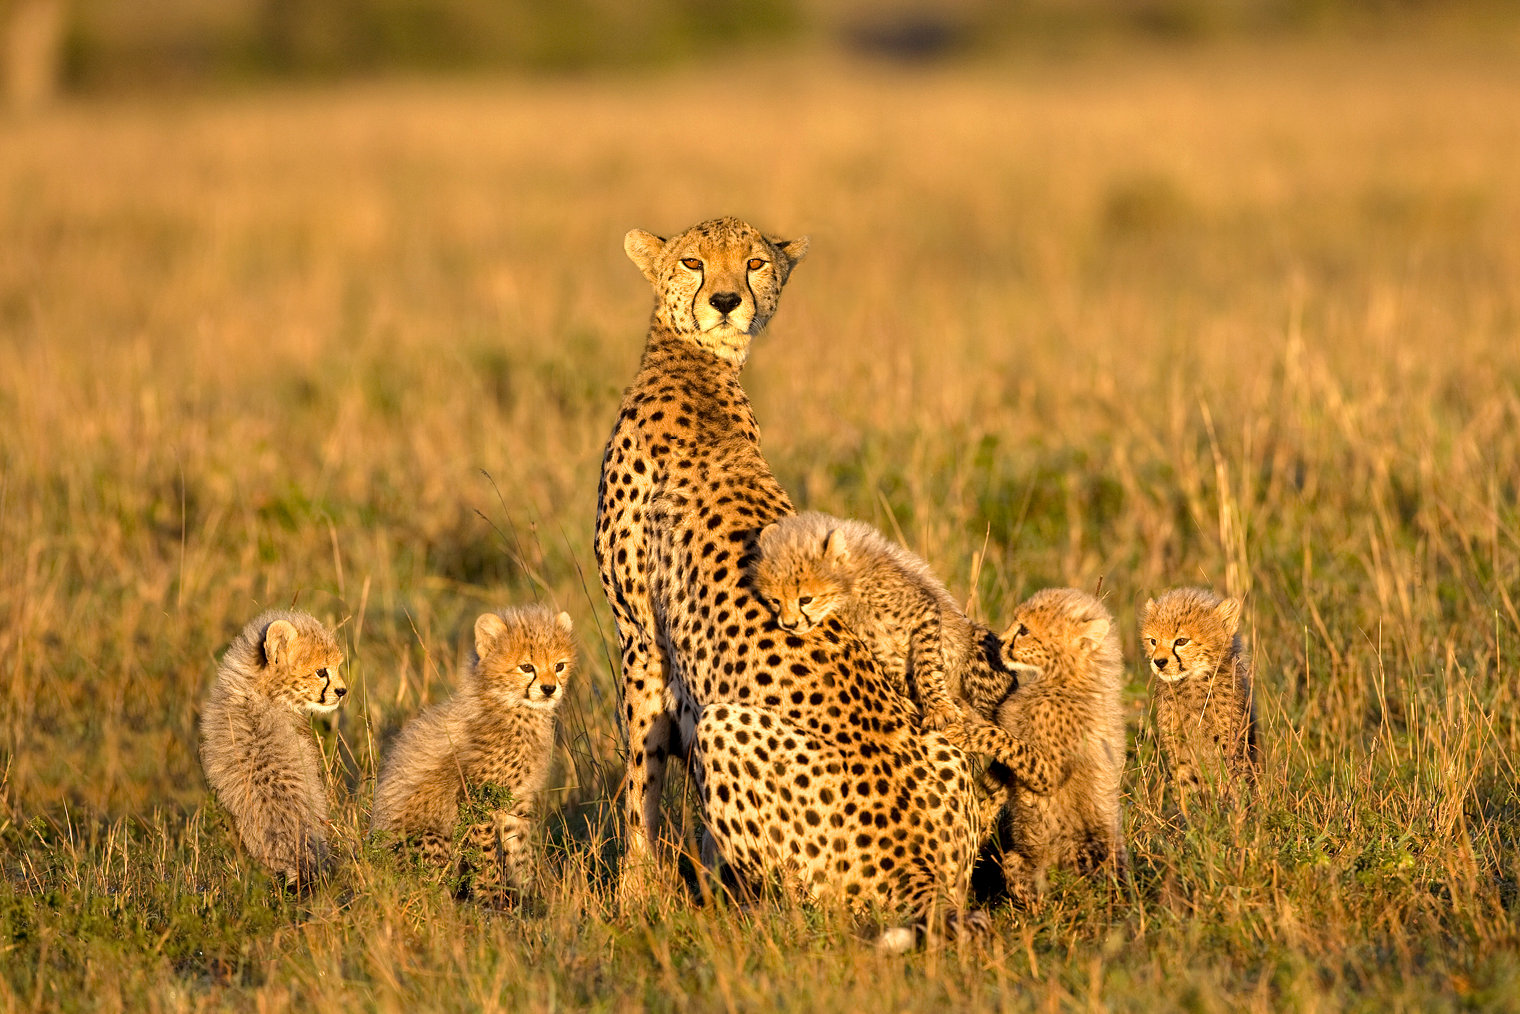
(940, 718)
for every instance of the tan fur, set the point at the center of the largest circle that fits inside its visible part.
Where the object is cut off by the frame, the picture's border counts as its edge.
(796, 740)
(1064, 645)
(256, 744)
(497, 730)
(813, 565)
(1205, 714)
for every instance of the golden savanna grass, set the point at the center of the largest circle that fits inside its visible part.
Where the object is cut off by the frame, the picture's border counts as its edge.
(1238, 316)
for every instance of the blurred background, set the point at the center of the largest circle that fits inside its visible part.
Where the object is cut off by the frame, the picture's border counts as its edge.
(89, 46)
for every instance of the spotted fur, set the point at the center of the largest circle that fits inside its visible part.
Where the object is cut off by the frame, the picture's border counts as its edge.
(493, 738)
(1064, 644)
(256, 744)
(1204, 707)
(811, 565)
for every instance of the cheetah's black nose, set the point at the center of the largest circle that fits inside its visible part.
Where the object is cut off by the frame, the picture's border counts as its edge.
(1160, 664)
(340, 691)
(724, 302)
(549, 689)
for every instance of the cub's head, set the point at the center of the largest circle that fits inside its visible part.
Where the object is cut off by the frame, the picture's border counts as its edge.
(717, 283)
(1059, 630)
(801, 571)
(300, 661)
(1189, 632)
(523, 657)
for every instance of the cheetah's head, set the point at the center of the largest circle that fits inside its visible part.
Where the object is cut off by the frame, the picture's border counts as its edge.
(1188, 632)
(1058, 629)
(301, 659)
(524, 657)
(800, 575)
(717, 283)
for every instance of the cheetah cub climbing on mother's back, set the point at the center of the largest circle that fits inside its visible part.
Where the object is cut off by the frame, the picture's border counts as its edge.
(811, 565)
(257, 747)
(495, 736)
(1205, 715)
(1063, 646)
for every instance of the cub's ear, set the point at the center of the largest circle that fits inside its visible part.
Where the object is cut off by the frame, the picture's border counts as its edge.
(563, 622)
(792, 249)
(279, 639)
(643, 248)
(1146, 610)
(834, 548)
(488, 628)
(1093, 633)
(1228, 612)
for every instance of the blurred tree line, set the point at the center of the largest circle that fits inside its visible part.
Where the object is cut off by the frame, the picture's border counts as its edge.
(101, 45)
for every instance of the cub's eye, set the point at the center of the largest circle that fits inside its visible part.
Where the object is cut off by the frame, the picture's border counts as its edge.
(1023, 631)
(755, 264)
(559, 667)
(1179, 642)
(1151, 641)
(526, 667)
(321, 674)
(804, 600)
(692, 262)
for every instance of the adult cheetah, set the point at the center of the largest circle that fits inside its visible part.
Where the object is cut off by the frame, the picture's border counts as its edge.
(808, 763)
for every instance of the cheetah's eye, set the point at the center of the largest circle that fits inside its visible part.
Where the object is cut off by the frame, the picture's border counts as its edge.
(1151, 641)
(1179, 642)
(755, 264)
(559, 667)
(1023, 631)
(691, 262)
(804, 600)
(322, 674)
(527, 668)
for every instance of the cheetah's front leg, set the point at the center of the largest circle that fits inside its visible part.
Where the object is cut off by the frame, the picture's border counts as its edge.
(650, 731)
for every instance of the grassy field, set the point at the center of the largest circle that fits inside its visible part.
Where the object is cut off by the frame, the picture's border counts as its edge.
(1240, 316)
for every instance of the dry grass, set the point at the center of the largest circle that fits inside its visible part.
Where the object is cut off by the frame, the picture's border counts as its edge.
(1244, 317)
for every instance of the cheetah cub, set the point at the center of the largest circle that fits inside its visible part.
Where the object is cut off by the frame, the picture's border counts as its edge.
(811, 565)
(257, 748)
(1205, 716)
(495, 735)
(1065, 650)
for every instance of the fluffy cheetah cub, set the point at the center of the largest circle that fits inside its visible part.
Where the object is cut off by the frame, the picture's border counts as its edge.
(1063, 646)
(495, 735)
(257, 748)
(1205, 716)
(811, 565)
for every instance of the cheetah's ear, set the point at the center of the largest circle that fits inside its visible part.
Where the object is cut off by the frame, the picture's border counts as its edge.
(1093, 633)
(834, 548)
(1147, 609)
(563, 622)
(278, 640)
(1228, 612)
(488, 628)
(643, 248)
(792, 249)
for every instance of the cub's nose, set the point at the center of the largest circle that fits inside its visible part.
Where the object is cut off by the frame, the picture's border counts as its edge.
(1160, 664)
(340, 691)
(724, 302)
(549, 688)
